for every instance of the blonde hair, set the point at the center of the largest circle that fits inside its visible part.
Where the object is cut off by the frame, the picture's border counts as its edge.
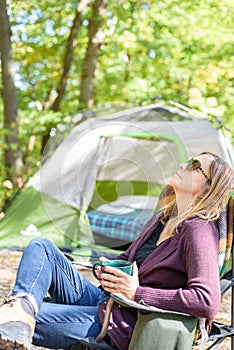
(211, 202)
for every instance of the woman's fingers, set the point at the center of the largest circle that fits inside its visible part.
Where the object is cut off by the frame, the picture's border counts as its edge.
(113, 271)
(109, 286)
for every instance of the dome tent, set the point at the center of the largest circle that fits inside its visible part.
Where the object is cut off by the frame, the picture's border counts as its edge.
(125, 156)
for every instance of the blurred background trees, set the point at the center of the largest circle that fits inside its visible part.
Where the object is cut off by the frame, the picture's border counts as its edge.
(73, 54)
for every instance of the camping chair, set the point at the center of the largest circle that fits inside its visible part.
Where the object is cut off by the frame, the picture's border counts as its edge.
(219, 331)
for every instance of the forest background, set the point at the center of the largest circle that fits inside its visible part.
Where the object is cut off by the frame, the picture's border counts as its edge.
(59, 57)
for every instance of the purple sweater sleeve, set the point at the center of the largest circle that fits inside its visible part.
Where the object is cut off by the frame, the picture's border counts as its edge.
(201, 298)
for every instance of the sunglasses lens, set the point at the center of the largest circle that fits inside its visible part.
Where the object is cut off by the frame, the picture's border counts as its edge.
(193, 164)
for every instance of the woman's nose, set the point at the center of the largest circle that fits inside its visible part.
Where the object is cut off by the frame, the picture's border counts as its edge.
(182, 166)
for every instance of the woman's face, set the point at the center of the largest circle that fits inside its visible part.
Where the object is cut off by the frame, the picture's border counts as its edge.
(191, 182)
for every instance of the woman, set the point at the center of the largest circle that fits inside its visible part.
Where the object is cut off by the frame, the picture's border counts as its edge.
(175, 267)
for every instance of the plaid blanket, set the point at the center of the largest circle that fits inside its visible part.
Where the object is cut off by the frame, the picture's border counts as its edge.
(121, 225)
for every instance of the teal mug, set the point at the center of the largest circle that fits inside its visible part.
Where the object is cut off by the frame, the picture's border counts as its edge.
(123, 265)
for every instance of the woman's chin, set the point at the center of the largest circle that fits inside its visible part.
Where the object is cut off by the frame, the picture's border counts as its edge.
(174, 182)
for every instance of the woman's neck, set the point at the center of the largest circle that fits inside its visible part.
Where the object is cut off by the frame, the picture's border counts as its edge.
(183, 202)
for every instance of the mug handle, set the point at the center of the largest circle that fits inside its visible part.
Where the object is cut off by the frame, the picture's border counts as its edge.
(94, 270)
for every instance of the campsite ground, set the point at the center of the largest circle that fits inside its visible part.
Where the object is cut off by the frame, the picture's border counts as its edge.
(9, 260)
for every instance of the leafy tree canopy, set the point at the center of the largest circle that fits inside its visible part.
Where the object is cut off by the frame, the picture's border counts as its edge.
(181, 50)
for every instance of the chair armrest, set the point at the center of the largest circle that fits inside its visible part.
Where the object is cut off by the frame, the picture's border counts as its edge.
(142, 305)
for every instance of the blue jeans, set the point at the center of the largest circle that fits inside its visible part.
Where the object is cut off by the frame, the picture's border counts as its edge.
(72, 315)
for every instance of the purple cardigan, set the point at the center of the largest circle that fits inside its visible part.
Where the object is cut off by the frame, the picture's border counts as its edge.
(180, 275)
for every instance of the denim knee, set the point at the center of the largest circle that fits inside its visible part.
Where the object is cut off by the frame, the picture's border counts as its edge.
(41, 241)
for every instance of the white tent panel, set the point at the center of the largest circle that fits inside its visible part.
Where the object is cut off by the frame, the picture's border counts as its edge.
(70, 174)
(138, 160)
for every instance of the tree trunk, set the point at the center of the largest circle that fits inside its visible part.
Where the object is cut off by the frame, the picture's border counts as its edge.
(71, 43)
(92, 53)
(13, 155)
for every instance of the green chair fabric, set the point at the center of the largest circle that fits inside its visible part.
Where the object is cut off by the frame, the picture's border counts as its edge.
(163, 331)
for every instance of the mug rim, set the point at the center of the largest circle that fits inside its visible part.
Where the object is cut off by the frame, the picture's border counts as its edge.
(124, 262)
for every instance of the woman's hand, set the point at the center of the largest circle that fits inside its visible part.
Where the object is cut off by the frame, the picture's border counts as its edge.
(117, 281)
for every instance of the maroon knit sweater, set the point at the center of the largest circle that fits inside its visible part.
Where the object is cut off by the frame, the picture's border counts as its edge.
(180, 275)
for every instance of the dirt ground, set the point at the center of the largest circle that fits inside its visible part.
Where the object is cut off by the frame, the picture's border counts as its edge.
(9, 260)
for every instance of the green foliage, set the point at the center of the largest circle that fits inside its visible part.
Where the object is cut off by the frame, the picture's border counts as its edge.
(33, 125)
(179, 50)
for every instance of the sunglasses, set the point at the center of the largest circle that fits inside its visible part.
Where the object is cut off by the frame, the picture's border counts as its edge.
(194, 164)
